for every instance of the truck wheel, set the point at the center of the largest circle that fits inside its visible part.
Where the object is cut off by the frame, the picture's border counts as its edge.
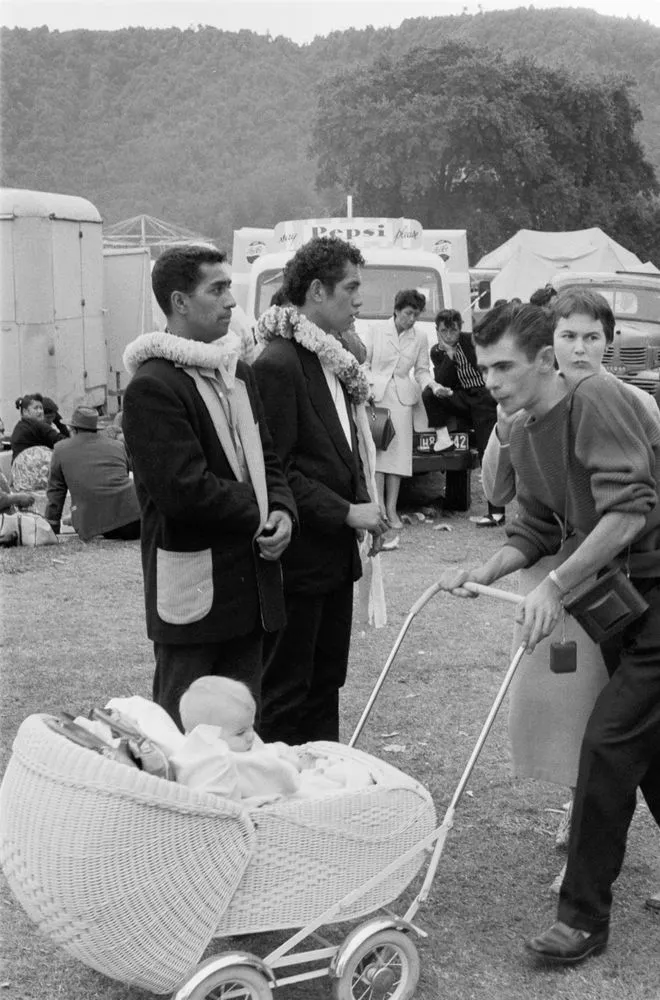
(458, 490)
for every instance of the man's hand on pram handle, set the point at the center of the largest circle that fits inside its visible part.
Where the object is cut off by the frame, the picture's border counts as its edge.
(453, 580)
(539, 612)
(506, 560)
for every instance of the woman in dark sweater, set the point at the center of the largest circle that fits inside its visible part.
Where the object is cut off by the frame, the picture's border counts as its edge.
(32, 429)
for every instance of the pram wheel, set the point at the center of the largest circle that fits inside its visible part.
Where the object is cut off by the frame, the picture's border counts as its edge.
(236, 982)
(384, 967)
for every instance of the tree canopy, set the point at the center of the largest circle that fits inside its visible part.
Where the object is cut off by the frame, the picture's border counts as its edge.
(209, 129)
(457, 136)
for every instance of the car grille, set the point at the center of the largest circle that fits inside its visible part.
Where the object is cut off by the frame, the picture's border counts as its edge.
(634, 359)
(647, 384)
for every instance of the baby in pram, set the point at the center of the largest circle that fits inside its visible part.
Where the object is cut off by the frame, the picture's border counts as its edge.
(221, 753)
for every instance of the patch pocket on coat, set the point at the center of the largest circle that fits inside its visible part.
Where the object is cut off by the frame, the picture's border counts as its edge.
(184, 586)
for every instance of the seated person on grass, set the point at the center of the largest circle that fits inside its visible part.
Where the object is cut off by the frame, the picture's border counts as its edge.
(94, 470)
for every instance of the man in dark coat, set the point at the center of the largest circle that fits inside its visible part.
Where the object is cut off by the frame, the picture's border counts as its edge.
(94, 470)
(308, 407)
(459, 391)
(217, 511)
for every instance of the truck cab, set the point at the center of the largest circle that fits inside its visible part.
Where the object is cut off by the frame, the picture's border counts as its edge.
(634, 297)
(386, 271)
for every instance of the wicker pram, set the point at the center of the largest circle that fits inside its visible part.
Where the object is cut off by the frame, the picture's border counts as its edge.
(134, 875)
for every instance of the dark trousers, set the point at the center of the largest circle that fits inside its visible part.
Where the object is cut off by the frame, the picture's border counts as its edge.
(305, 665)
(126, 533)
(178, 666)
(620, 753)
(474, 405)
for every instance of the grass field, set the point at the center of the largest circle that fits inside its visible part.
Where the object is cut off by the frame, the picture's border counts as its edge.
(72, 635)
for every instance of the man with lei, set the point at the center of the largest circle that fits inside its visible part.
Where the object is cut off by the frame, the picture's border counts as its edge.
(313, 391)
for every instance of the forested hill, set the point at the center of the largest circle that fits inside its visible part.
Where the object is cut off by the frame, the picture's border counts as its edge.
(211, 129)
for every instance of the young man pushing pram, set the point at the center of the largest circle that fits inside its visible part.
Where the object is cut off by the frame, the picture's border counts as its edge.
(585, 462)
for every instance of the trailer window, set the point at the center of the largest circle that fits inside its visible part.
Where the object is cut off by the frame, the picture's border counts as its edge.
(379, 287)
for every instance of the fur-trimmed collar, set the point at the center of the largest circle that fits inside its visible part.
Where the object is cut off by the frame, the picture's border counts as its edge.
(187, 353)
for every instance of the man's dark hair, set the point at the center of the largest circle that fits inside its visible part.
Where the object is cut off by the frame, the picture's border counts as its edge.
(409, 298)
(178, 270)
(588, 303)
(50, 407)
(278, 298)
(542, 296)
(530, 326)
(449, 317)
(323, 258)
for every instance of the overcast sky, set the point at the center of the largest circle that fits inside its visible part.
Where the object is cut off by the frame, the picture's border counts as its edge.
(300, 20)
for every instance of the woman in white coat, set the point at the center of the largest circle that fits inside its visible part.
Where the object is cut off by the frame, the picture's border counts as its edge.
(398, 359)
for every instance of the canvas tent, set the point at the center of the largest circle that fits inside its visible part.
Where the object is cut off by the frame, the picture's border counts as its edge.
(530, 259)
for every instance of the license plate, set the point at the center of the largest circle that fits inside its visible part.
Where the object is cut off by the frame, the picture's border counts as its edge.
(427, 439)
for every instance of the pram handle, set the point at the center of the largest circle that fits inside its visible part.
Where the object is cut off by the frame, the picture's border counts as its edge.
(477, 588)
(502, 595)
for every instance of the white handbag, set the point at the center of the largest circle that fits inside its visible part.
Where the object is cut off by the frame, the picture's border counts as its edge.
(33, 530)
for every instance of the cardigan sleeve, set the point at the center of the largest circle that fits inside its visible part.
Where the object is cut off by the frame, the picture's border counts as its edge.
(497, 475)
(612, 437)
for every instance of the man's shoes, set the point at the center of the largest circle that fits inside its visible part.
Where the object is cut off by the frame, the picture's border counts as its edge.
(489, 521)
(565, 945)
(653, 903)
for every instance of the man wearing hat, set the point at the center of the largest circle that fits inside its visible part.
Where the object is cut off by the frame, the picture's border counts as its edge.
(94, 470)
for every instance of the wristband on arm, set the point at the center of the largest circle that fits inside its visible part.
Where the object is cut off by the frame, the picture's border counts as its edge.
(555, 579)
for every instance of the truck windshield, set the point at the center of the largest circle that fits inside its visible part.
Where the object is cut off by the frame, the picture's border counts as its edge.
(640, 304)
(379, 286)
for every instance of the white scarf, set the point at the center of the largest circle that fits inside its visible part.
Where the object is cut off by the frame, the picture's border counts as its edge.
(212, 367)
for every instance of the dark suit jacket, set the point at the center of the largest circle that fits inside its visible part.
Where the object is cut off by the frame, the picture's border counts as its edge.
(325, 475)
(94, 470)
(444, 367)
(198, 521)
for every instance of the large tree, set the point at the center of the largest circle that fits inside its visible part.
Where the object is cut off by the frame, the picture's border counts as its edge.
(459, 137)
